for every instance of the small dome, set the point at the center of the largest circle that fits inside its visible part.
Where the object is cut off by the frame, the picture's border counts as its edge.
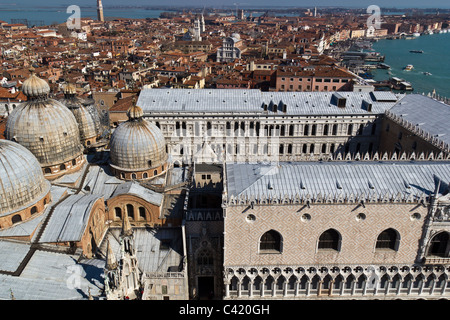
(237, 36)
(35, 87)
(135, 113)
(69, 89)
(22, 181)
(137, 145)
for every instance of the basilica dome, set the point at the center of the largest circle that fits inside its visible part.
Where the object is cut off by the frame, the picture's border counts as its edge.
(137, 148)
(88, 122)
(46, 128)
(22, 182)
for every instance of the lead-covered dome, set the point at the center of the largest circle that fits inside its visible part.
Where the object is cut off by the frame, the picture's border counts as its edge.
(88, 122)
(138, 146)
(22, 182)
(46, 128)
(35, 87)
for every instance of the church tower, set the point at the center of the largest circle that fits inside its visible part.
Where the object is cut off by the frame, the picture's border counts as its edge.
(122, 278)
(197, 30)
(202, 26)
(100, 16)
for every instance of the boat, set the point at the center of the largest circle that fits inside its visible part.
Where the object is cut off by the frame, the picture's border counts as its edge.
(427, 73)
(383, 66)
(416, 34)
(416, 51)
(409, 67)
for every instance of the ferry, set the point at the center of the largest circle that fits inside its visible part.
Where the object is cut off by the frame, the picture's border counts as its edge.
(409, 67)
(416, 51)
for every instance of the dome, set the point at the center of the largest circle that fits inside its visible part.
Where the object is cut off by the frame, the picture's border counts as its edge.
(137, 145)
(88, 123)
(237, 36)
(22, 181)
(45, 127)
(35, 87)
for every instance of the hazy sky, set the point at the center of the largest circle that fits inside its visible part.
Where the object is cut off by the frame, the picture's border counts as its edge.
(243, 3)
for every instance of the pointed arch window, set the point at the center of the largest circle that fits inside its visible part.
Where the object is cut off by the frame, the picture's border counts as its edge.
(388, 239)
(330, 240)
(439, 245)
(270, 242)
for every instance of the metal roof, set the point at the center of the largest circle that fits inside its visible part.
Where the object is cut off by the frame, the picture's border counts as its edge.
(69, 219)
(425, 113)
(51, 276)
(136, 189)
(334, 179)
(252, 101)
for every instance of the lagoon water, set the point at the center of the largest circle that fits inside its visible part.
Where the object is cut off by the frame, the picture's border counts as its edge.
(435, 59)
(59, 14)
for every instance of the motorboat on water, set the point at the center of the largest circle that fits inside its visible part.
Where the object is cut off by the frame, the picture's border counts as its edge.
(416, 34)
(416, 51)
(427, 73)
(409, 67)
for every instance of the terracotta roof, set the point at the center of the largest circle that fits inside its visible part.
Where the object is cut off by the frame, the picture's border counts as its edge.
(122, 105)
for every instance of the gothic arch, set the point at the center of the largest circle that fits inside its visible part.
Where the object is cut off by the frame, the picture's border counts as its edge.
(271, 241)
(330, 239)
(439, 245)
(388, 239)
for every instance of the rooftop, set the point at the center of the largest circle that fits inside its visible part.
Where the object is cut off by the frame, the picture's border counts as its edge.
(335, 181)
(252, 101)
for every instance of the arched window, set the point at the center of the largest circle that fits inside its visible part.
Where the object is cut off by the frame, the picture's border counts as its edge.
(133, 176)
(205, 258)
(118, 212)
(306, 130)
(130, 211)
(145, 175)
(62, 167)
(335, 127)
(142, 212)
(16, 219)
(439, 244)
(33, 210)
(47, 170)
(330, 239)
(270, 242)
(388, 239)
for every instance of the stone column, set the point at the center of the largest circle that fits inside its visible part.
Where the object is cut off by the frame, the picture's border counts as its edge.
(263, 283)
(239, 287)
(330, 290)
(227, 289)
(319, 287)
(297, 287)
(250, 288)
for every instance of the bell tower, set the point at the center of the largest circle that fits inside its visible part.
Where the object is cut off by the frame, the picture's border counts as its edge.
(100, 16)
